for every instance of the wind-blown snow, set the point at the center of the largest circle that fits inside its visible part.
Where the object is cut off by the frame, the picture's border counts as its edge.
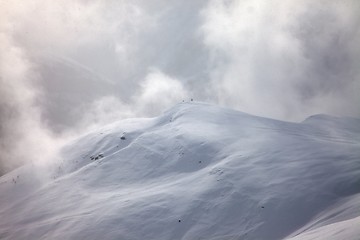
(196, 172)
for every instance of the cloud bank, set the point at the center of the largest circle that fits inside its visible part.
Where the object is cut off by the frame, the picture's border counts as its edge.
(285, 59)
(66, 66)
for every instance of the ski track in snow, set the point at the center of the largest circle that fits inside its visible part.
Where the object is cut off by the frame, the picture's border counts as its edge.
(196, 172)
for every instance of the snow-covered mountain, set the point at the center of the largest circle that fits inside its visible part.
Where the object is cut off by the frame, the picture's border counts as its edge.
(196, 172)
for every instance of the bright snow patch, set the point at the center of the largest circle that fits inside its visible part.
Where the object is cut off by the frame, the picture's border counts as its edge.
(196, 172)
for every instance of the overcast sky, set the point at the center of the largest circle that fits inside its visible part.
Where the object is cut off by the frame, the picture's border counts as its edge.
(68, 65)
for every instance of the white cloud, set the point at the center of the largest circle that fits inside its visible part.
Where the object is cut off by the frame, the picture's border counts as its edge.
(23, 137)
(274, 58)
(157, 92)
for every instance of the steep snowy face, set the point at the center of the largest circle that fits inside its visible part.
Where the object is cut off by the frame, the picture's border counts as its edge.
(196, 172)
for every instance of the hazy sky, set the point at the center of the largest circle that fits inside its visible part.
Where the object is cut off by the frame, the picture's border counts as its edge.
(68, 65)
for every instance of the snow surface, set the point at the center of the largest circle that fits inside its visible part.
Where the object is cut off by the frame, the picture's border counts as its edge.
(196, 172)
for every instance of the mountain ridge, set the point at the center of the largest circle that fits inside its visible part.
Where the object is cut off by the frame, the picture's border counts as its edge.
(197, 171)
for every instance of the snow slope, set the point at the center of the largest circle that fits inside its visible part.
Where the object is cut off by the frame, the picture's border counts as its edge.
(196, 172)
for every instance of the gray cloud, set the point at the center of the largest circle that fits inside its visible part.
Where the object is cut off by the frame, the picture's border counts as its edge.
(66, 66)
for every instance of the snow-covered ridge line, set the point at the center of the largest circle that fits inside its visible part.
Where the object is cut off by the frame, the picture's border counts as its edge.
(198, 171)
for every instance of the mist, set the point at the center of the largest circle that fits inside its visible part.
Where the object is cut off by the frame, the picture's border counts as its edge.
(69, 66)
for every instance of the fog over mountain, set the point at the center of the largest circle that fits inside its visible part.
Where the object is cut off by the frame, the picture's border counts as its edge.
(67, 66)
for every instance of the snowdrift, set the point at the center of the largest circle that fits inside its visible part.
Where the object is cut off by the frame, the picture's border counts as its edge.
(196, 172)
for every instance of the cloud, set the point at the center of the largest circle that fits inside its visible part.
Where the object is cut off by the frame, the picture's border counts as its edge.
(22, 135)
(67, 66)
(156, 93)
(283, 59)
